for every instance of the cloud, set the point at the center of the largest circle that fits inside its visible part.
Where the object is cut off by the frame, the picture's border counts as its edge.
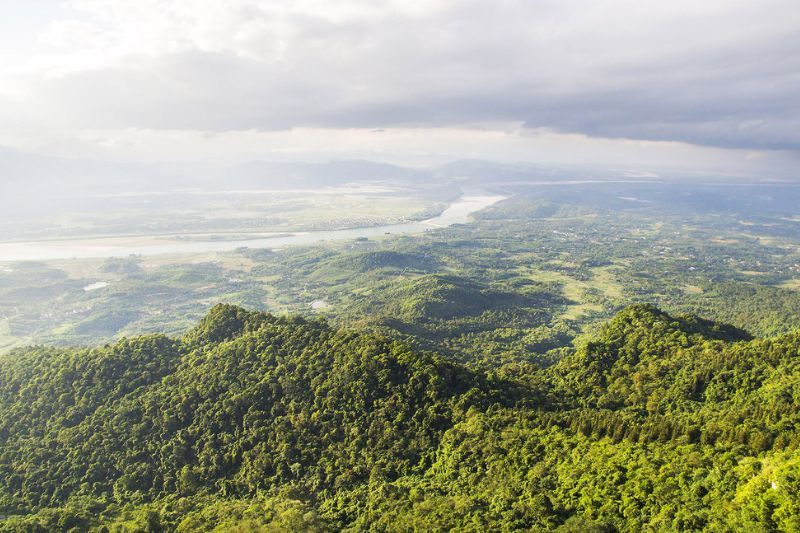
(719, 72)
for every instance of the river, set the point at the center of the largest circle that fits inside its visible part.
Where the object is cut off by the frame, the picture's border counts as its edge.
(456, 213)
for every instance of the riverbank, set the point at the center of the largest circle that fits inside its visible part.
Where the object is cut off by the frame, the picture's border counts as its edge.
(458, 212)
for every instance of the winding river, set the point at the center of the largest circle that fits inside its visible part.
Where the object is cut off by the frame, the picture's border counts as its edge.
(457, 213)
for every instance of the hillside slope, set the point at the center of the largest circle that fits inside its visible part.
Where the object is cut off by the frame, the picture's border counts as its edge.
(252, 421)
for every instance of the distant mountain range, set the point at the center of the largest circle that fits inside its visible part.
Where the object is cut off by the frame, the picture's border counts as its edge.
(23, 172)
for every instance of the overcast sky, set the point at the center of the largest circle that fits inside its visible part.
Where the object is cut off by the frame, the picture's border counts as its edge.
(708, 84)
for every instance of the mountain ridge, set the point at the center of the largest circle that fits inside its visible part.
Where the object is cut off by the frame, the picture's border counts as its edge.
(256, 417)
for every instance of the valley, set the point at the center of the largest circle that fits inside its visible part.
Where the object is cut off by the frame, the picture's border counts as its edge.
(620, 365)
(580, 249)
(399, 266)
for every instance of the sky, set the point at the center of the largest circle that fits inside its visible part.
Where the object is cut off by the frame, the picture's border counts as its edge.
(710, 85)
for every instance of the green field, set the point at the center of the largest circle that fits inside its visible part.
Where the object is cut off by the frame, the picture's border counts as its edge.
(589, 259)
(562, 362)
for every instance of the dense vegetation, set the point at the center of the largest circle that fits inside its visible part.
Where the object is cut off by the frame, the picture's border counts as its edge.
(252, 421)
(480, 377)
(548, 263)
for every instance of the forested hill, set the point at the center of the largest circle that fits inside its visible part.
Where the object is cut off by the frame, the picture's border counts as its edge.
(252, 421)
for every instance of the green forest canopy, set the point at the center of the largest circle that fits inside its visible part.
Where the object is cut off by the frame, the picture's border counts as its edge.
(252, 421)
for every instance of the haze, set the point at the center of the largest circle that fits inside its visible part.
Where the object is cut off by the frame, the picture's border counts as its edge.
(400, 265)
(707, 86)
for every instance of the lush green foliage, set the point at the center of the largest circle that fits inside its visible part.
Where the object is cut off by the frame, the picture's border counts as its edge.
(516, 284)
(253, 422)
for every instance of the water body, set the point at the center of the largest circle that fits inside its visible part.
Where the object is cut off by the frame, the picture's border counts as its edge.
(457, 213)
